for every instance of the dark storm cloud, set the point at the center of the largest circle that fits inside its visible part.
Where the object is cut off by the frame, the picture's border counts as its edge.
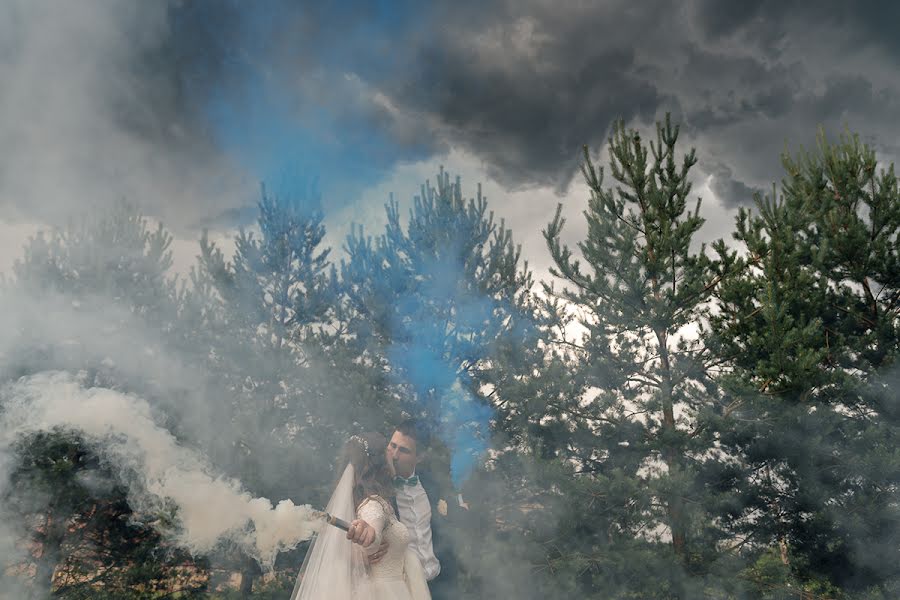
(726, 187)
(524, 84)
(526, 118)
(764, 76)
(865, 21)
(531, 134)
(184, 107)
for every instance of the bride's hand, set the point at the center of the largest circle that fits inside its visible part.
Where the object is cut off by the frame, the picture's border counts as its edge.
(361, 533)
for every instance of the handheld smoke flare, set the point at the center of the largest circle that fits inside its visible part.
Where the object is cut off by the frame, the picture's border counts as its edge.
(332, 520)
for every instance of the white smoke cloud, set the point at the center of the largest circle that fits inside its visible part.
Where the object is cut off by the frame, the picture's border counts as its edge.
(211, 508)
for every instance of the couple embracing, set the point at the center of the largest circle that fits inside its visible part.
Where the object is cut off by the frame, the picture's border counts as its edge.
(395, 549)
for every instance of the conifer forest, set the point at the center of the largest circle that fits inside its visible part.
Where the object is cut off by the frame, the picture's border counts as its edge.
(629, 273)
(658, 419)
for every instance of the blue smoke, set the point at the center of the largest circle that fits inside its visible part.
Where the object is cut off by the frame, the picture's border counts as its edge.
(287, 91)
(283, 84)
(432, 356)
(462, 421)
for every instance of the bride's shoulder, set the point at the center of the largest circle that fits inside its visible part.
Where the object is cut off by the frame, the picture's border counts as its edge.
(374, 498)
(376, 501)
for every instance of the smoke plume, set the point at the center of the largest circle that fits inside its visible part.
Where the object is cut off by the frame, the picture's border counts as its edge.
(211, 508)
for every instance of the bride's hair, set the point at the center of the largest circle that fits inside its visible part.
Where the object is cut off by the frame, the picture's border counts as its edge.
(366, 452)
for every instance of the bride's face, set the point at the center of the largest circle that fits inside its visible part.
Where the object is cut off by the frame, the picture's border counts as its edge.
(390, 464)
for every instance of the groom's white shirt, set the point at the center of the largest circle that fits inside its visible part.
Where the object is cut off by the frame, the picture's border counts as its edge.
(415, 513)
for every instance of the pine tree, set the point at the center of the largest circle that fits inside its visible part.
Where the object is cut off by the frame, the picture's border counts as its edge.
(811, 330)
(434, 304)
(441, 313)
(74, 507)
(271, 302)
(636, 423)
(100, 272)
(111, 256)
(80, 293)
(275, 342)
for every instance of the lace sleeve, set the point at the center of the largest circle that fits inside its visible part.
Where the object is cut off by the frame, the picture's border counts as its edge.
(372, 512)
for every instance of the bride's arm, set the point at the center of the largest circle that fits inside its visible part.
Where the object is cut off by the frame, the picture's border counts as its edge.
(371, 514)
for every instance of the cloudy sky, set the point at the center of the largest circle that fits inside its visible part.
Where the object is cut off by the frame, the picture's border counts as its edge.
(185, 106)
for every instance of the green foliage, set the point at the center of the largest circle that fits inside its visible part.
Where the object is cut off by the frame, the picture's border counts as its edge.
(63, 497)
(268, 328)
(439, 308)
(810, 327)
(725, 425)
(272, 335)
(72, 505)
(638, 418)
(115, 255)
(114, 265)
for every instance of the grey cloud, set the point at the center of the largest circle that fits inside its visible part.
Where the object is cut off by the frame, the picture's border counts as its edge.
(774, 23)
(854, 96)
(718, 19)
(106, 100)
(530, 130)
(743, 154)
(523, 85)
(730, 191)
(87, 120)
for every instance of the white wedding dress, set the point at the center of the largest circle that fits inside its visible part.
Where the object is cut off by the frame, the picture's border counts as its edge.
(399, 574)
(337, 569)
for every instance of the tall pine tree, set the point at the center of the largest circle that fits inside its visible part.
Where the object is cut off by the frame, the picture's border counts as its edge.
(637, 431)
(270, 315)
(274, 314)
(441, 311)
(434, 303)
(93, 297)
(811, 331)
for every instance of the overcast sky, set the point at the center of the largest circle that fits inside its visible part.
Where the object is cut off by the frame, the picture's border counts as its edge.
(184, 107)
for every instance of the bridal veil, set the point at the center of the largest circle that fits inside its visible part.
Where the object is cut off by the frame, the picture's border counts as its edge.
(334, 567)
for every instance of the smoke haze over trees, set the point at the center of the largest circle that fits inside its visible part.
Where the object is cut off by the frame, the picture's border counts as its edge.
(659, 419)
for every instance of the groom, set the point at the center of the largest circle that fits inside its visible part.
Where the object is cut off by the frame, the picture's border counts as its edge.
(422, 508)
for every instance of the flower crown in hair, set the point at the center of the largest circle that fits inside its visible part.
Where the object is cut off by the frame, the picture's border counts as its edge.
(362, 442)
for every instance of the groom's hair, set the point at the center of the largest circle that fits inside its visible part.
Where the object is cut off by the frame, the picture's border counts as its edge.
(415, 430)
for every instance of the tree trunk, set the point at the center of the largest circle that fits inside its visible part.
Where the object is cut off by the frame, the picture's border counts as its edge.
(671, 454)
(249, 572)
(51, 545)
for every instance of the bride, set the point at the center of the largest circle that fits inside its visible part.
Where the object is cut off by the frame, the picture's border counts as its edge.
(337, 569)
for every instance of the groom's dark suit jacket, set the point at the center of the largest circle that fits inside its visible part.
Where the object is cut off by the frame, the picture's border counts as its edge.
(441, 533)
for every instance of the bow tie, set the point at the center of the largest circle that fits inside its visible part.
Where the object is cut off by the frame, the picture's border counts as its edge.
(401, 481)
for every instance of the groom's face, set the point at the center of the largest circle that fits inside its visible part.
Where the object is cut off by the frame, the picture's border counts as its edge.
(401, 452)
